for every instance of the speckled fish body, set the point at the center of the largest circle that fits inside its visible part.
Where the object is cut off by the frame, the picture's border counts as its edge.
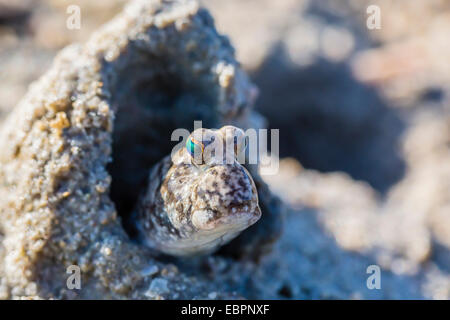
(190, 210)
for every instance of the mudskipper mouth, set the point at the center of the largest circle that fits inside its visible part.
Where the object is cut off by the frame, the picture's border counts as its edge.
(236, 219)
(243, 215)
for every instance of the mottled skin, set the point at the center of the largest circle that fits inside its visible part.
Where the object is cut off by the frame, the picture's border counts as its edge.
(193, 205)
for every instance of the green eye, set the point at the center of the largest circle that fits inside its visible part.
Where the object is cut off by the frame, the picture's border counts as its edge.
(194, 147)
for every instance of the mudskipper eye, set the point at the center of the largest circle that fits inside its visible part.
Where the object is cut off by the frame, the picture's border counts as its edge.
(201, 146)
(235, 138)
(240, 142)
(194, 147)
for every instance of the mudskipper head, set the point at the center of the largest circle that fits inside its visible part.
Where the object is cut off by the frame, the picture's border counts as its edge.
(200, 198)
(225, 199)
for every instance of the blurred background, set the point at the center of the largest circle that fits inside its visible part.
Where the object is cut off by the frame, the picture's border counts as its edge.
(364, 115)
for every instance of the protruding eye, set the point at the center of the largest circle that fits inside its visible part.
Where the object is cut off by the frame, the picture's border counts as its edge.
(201, 147)
(194, 147)
(235, 138)
(240, 142)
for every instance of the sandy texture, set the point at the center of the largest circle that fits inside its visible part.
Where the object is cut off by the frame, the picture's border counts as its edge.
(55, 208)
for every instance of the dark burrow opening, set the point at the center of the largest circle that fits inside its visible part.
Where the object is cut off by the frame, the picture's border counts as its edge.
(329, 120)
(150, 102)
(285, 291)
